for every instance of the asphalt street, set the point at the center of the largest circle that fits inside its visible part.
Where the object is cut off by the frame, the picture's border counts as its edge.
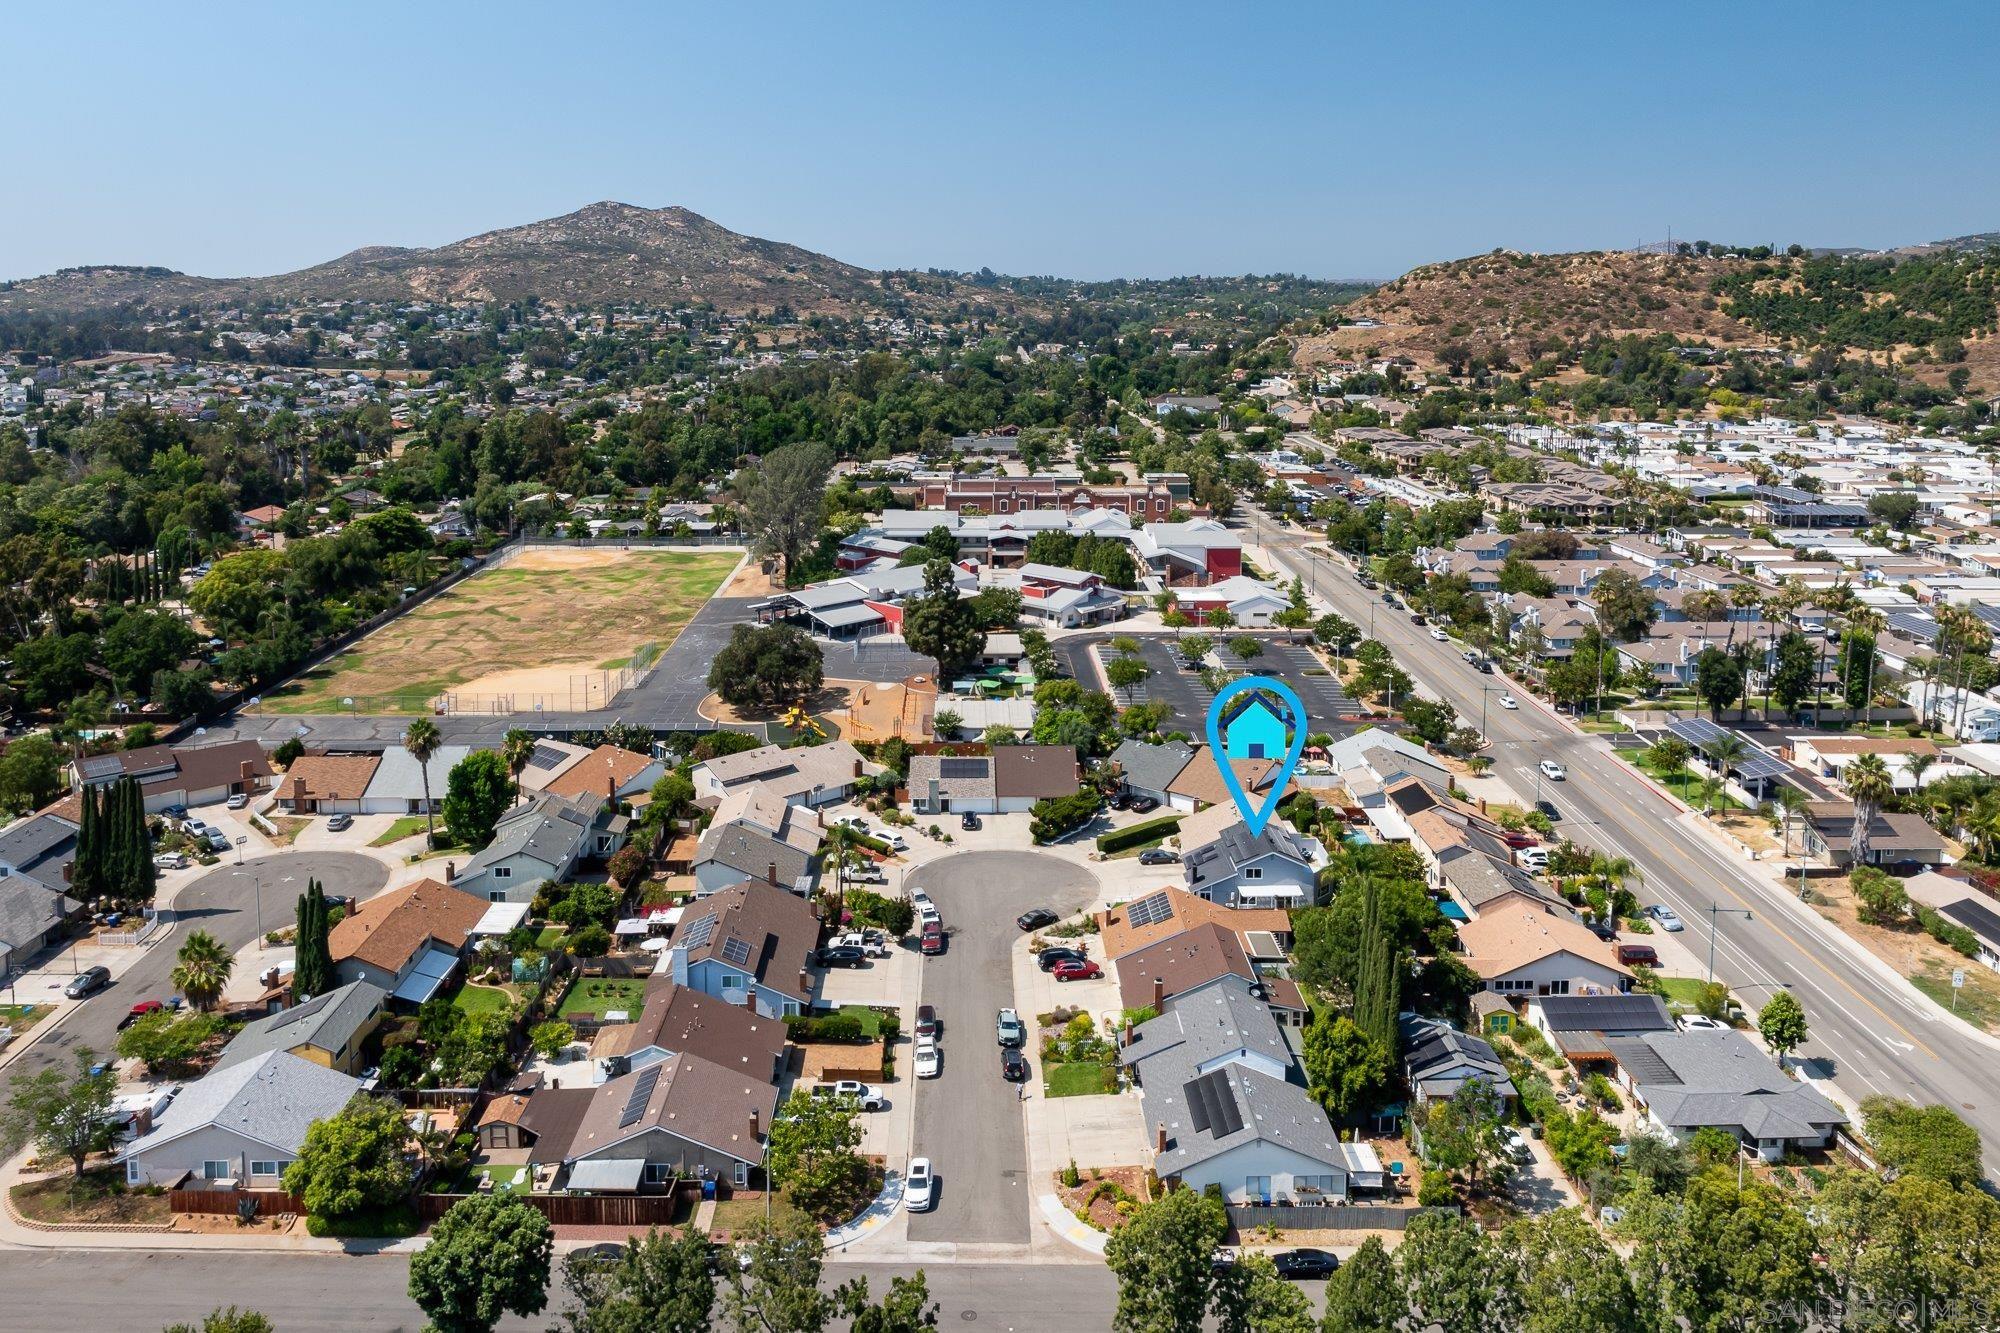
(1873, 1034)
(968, 1119)
(306, 1293)
(224, 903)
(1188, 696)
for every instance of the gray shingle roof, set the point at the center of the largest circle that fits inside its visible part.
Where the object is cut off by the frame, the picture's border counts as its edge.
(1152, 767)
(1212, 1021)
(1256, 1108)
(327, 1021)
(273, 1099)
(551, 829)
(1694, 1079)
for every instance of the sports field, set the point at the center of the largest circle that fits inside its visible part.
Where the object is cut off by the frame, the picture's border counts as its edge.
(556, 626)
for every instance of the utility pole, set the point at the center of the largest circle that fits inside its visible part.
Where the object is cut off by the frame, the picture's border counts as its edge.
(1713, 912)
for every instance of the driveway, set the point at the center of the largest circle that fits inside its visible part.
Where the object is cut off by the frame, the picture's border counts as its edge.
(222, 902)
(969, 1120)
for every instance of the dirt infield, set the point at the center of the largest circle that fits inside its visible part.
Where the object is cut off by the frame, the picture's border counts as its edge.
(554, 626)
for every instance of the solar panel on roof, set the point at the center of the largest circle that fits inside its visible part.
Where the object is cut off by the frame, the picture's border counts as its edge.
(1150, 910)
(545, 756)
(697, 933)
(1212, 1104)
(736, 951)
(1756, 766)
(642, 1092)
(961, 768)
(1696, 731)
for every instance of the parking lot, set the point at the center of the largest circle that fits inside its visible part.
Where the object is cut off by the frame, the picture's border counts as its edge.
(1189, 697)
(969, 1119)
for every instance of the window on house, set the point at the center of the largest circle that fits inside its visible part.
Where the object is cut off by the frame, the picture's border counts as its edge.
(1257, 1187)
(220, 1170)
(496, 895)
(739, 1174)
(503, 872)
(1253, 872)
(271, 1168)
(659, 1173)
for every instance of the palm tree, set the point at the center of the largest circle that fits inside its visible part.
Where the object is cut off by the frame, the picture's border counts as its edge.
(1792, 801)
(422, 741)
(202, 969)
(1917, 765)
(1724, 753)
(1869, 786)
(1871, 623)
(517, 749)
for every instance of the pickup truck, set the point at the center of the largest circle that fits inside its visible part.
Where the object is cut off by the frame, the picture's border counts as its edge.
(870, 1099)
(1009, 1030)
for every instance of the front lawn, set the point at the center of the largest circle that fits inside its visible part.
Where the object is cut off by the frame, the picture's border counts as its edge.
(408, 826)
(601, 995)
(1681, 992)
(866, 1015)
(737, 1215)
(1085, 1079)
(23, 1017)
(99, 1196)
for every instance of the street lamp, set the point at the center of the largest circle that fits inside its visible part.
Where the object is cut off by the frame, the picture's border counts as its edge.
(1714, 912)
(257, 893)
(1485, 690)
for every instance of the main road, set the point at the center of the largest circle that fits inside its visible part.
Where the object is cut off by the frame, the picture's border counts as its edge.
(1875, 1034)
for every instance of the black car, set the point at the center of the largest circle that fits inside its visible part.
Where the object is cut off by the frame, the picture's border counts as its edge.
(1013, 1065)
(1299, 1264)
(842, 955)
(1048, 958)
(1157, 856)
(1035, 918)
(1144, 805)
(968, 820)
(1549, 808)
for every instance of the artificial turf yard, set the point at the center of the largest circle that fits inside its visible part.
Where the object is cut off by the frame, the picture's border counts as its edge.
(545, 622)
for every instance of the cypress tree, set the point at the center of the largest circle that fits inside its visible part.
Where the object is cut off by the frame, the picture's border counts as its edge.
(145, 879)
(312, 969)
(84, 873)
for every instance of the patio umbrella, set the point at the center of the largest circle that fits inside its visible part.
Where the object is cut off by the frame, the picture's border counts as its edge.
(656, 944)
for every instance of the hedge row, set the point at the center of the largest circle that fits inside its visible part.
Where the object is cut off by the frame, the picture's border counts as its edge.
(1119, 839)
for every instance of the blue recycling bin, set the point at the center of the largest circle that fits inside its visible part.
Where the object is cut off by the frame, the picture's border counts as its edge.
(707, 1189)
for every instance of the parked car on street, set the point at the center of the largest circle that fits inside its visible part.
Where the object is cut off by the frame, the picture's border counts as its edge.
(1013, 1065)
(1301, 1265)
(1076, 971)
(929, 1062)
(1035, 918)
(1438, 633)
(1009, 1029)
(139, 1011)
(87, 982)
(919, 1185)
(928, 1022)
(932, 941)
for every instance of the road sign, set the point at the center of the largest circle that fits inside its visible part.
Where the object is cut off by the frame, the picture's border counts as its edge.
(1958, 978)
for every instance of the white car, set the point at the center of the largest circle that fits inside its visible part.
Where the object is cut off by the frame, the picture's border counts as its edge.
(870, 1099)
(929, 1063)
(1437, 632)
(919, 899)
(1532, 858)
(1509, 701)
(895, 842)
(238, 801)
(919, 1185)
(1701, 1023)
(855, 822)
(1553, 771)
(1514, 1145)
(927, 911)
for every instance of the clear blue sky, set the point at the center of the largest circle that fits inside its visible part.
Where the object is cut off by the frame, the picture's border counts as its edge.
(1142, 140)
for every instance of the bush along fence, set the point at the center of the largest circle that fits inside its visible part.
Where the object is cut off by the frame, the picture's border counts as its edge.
(1151, 830)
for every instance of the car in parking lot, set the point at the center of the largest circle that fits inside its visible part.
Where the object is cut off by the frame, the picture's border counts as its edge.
(968, 821)
(932, 940)
(1553, 771)
(1663, 917)
(1013, 1065)
(1157, 856)
(1073, 970)
(339, 823)
(1509, 702)
(1060, 953)
(919, 1185)
(928, 1022)
(1035, 918)
(1300, 1265)
(87, 982)
(842, 955)
(1008, 1028)
(929, 1062)
(870, 1099)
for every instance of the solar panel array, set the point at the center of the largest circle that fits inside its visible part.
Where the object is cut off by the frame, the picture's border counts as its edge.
(1212, 1104)
(1696, 731)
(642, 1092)
(961, 768)
(546, 756)
(1913, 625)
(698, 932)
(736, 951)
(1755, 764)
(1150, 910)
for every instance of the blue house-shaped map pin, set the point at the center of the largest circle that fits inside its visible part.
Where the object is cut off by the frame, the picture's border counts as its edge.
(1245, 723)
(1253, 729)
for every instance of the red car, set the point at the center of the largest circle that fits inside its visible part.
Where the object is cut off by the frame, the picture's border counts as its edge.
(933, 941)
(139, 1011)
(1075, 970)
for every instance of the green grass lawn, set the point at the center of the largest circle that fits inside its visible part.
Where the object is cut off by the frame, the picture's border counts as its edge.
(1681, 992)
(506, 1179)
(481, 1000)
(409, 826)
(870, 1020)
(734, 1216)
(550, 937)
(1078, 1080)
(600, 995)
(1683, 784)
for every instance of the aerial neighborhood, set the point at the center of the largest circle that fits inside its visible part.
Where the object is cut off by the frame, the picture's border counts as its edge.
(628, 772)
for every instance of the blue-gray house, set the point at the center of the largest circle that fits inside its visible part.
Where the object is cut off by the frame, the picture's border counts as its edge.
(1253, 728)
(748, 945)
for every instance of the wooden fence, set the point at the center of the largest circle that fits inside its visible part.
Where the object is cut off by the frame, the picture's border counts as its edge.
(639, 1210)
(228, 1201)
(1351, 1217)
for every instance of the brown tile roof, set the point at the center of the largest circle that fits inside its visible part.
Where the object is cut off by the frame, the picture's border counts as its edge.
(599, 773)
(1507, 940)
(1035, 770)
(387, 929)
(1118, 937)
(1182, 962)
(690, 1099)
(328, 776)
(1202, 780)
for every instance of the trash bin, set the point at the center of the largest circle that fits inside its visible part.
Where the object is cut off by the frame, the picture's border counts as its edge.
(707, 1189)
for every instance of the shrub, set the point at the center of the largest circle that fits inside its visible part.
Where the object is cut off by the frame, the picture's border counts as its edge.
(1150, 830)
(627, 864)
(823, 1027)
(1435, 1191)
(1052, 817)
(593, 941)
(895, 915)
(1880, 898)
(1947, 932)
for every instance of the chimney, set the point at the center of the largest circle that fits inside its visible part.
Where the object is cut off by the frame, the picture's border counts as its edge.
(750, 999)
(450, 871)
(1160, 1137)
(1159, 993)
(610, 786)
(1482, 805)
(771, 872)
(857, 766)
(302, 796)
(142, 1122)
(1127, 1040)
(805, 981)
(754, 1124)
(246, 773)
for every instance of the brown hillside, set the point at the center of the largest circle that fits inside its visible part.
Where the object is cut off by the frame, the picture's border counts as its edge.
(606, 252)
(1524, 303)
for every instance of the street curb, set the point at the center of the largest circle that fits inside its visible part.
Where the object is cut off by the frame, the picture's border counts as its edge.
(1065, 1224)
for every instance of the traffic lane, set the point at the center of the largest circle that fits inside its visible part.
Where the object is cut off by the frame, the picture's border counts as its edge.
(314, 1292)
(223, 903)
(969, 1119)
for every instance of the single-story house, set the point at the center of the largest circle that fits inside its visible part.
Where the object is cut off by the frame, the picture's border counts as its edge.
(398, 786)
(1199, 783)
(1007, 781)
(408, 941)
(1895, 838)
(1688, 1081)
(1195, 959)
(35, 857)
(1583, 1026)
(1525, 951)
(328, 783)
(328, 1029)
(1148, 770)
(680, 1117)
(812, 775)
(187, 775)
(1962, 905)
(244, 1123)
(679, 1020)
